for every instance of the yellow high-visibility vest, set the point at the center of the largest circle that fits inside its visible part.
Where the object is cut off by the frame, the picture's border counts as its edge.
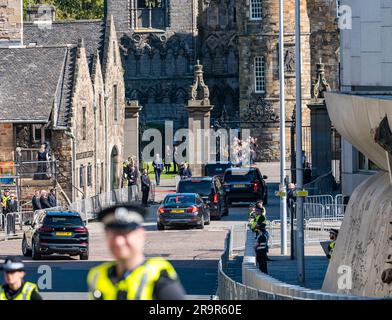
(331, 246)
(139, 285)
(25, 294)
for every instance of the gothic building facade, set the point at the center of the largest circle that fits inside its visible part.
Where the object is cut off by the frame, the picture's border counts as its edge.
(237, 43)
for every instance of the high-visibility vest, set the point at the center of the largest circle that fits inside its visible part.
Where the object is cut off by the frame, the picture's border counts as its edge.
(25, 294)
(138, 285)
(257, 219)
(4, 200)
(331, 246)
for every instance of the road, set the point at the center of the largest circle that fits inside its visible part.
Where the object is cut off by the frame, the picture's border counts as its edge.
(194, 254)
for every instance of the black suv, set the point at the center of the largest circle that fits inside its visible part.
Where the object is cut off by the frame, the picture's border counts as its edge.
(216, 169)
(244, 185)
(62, 232)
(210, 190)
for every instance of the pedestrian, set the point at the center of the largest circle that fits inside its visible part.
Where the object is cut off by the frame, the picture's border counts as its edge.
(146, 184)
(291, 197)
(307, 173)
(333, 235)
(185, 171)
(42, 157)
(44, 200)
(4, 199)
(15, 288)
(35, 201)
(132, 177)
(131, 276)
(158, 168)
(12, 208)
(168, 159)
(261, 247)
(260, 215)
(175, 158)
(52, 198)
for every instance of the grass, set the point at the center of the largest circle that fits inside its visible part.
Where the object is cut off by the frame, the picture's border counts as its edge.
(164, 175)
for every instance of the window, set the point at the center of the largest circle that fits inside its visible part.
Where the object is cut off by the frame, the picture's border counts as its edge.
(151, 14)
(81, 176)
(102, 177)
(89, 170)
(37, 133)
(365, 164)
(259, 75)
(100, 107)
(115, 102)
(84, 124)
(256, 11)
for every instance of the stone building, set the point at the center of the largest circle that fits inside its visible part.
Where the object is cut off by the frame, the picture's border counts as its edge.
(237, 42)
(11, 18)
(66, 86)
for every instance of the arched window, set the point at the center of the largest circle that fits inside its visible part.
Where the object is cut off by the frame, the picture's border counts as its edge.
(259, 74)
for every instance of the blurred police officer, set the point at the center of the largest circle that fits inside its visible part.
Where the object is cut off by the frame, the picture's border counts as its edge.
(15, 288)
(261, 247)
(333, 235)
(131, 276)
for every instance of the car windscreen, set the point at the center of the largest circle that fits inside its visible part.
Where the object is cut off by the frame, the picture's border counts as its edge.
(180, 200)
(216, 169)
(63, 221)
(243, 176)
(203, 188)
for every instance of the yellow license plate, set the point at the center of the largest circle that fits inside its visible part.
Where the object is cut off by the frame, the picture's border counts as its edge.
(178, 211)
(239, 186)
(64, 234)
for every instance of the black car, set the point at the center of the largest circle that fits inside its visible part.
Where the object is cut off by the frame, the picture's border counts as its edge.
(216, 169)
(210, 190)
(245, 185)
(183, 209)
(62, 232)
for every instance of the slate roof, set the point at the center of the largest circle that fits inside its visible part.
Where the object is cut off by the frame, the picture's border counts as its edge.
(68, 32)
(31, 79)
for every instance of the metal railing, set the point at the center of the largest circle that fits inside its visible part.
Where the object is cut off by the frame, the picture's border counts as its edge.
(89, 207)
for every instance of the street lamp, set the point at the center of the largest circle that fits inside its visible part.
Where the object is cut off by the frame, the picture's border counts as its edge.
(283, 207)
(299, 173)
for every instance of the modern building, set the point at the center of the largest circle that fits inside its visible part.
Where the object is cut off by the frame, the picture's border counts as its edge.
(366, 65)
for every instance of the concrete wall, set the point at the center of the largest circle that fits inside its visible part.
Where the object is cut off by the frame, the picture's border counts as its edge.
(364, 243)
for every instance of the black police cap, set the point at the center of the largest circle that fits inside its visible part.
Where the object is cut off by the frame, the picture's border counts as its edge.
(12, 264)
(125, 217)
(334, 231)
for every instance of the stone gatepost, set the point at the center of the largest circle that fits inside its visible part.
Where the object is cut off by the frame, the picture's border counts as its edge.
(131, 130)
(199, 110)
(320, 126)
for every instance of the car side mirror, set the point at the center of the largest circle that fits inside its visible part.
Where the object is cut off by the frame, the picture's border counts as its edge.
(265, 177)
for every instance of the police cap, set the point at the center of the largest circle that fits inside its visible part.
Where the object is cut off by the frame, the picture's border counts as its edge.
(12, 264)
(124, 217)
(334, 231)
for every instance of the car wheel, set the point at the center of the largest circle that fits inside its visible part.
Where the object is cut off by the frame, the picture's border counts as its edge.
(201, 226)
(35, 253)
(160, 226)
(206, 223)
(226, 212)
(83, 256)
(25, 249)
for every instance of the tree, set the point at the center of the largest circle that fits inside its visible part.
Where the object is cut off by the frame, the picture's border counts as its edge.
(73, 9)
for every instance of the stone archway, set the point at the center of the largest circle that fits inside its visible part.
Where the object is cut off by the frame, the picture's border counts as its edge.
(114, 163)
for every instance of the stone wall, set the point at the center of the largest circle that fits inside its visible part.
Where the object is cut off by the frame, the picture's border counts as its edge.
(6, 142)
(114, 77)
(10, 22)
(83, 102)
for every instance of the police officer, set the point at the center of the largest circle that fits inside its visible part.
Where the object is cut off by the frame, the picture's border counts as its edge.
(251, 213)
(333, 235)
(4, 200)
(131, 276)
(15, 288)
(261, 247)
(260, 215)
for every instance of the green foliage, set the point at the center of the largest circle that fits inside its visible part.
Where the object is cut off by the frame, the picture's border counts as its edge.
(73, 9)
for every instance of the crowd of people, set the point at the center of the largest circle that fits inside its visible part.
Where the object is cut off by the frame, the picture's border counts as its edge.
(44, 199)
(244, 151)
